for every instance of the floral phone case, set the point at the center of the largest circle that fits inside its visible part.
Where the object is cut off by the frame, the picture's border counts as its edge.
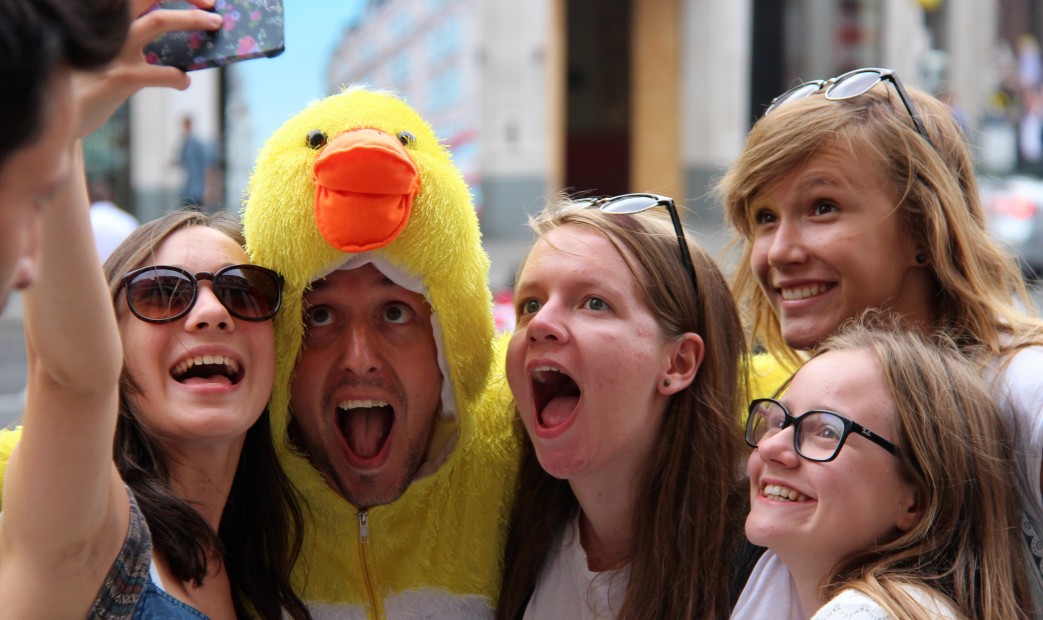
(251, 29)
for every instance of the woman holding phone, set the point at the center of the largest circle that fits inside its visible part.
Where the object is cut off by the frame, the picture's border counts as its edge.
(144, 483)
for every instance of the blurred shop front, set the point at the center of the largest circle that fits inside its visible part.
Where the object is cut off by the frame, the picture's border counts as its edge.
(658, 95)
(611, 96)
(137, 153)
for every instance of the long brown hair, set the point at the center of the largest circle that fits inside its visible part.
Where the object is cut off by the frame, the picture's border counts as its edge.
(690, 504)
(956, 448)
(260, 535)
(977, 283)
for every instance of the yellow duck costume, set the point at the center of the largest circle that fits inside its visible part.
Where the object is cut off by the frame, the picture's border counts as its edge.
(359, 177)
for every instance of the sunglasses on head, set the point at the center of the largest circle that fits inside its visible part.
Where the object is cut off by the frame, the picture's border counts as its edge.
(849, 85)
(635, 203)
(162, 293)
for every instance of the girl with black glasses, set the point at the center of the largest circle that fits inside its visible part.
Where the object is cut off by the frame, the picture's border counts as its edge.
(881, 480)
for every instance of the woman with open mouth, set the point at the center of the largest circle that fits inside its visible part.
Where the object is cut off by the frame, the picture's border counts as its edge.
(625, 367)
(882, 479)
(195, 516)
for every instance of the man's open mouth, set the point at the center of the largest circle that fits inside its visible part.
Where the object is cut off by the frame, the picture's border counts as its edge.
(365, 426)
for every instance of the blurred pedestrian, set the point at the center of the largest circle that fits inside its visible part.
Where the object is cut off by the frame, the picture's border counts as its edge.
(111, 225)
(194, 161)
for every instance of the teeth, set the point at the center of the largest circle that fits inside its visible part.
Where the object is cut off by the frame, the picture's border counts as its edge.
(803, 292)
(542, 374)
(358, 404)
(780, 493)
(200, 360)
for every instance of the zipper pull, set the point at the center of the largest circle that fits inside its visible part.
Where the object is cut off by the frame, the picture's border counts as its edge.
(363, 526)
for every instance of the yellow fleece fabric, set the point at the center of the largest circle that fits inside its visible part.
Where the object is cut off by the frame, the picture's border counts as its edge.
(436, 551)
(767, 374)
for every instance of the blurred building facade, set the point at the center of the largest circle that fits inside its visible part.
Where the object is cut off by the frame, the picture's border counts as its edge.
(604, 96)
(613, 96)
(138, 149)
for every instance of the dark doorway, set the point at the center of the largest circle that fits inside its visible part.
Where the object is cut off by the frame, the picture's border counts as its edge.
(597, 122)
(768, 66)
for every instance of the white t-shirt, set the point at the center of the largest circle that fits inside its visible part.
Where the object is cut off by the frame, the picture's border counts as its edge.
(111, 225)
(771, 593)
(567, 590)
(1020, 395)
(854, 605)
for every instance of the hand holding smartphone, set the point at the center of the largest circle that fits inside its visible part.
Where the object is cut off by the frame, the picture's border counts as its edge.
(251, 29)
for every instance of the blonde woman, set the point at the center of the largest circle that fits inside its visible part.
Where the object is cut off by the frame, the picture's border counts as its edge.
(857, 193)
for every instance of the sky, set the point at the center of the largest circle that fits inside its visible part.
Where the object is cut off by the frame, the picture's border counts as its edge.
(277, 88)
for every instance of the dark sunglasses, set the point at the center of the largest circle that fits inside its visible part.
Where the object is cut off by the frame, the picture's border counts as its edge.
(635, 203)
(849, 85)
(162, 293)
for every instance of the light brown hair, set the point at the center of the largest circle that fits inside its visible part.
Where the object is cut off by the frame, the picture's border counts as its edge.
(690, 502)
(977, 283)
(955, 448)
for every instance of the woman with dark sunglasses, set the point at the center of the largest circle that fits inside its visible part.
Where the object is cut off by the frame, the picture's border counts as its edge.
(214, 524)
(144, 483)
(625, 367)
(881, 480)
(193, 440)
(857, 193)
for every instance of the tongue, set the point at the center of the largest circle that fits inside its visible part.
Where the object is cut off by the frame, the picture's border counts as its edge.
(211, 380)
(366, 430)
(558, 410)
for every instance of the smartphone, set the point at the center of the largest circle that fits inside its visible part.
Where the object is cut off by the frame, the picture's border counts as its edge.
(251, 29)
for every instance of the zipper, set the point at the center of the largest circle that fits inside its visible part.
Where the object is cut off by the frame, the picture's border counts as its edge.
(375, 605)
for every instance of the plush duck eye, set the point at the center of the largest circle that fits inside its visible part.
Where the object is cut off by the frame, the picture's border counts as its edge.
(407, 139)
(316, 139)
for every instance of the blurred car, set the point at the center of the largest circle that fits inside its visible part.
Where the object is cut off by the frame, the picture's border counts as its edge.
(1014, 208)
(503, 310)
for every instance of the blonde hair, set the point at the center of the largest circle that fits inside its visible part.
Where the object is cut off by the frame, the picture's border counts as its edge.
(937, 196)
(955, 447)
(691, 498)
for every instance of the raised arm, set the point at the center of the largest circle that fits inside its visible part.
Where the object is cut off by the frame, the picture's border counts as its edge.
(65, 511)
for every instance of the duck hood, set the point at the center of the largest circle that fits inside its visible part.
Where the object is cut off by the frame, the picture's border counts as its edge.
(359, 177)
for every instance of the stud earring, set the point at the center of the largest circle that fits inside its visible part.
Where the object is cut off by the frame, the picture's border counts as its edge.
(921, 259)
(666, 383)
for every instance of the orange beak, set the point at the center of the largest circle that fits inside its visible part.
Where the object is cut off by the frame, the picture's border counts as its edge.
(365, 183)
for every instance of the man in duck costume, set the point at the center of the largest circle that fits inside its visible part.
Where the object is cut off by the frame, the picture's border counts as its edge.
(386, 410)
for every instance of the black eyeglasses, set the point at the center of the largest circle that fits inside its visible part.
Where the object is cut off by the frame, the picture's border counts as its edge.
(162, 293)
(635, 203)
(818, 435)
(852, 84)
